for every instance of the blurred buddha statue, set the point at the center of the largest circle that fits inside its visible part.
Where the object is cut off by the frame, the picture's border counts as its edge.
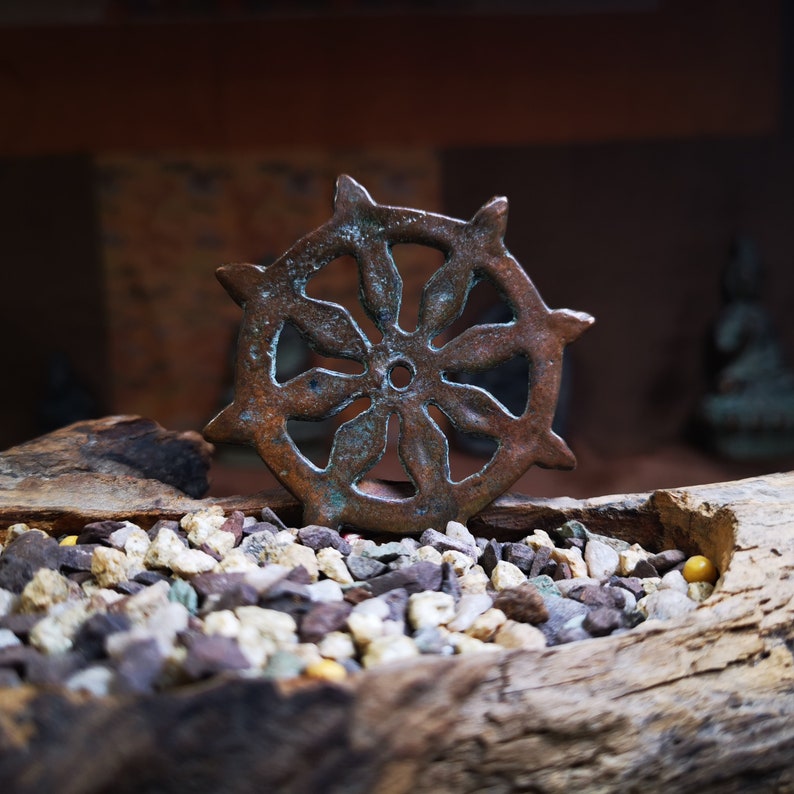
(749, 413)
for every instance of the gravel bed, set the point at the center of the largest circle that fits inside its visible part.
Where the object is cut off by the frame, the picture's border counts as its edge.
(119, 609)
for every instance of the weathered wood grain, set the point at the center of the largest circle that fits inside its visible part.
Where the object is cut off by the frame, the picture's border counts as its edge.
(702, 704)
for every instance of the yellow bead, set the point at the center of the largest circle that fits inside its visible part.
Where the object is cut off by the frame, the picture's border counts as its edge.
(700, 569)
(326, 670)
(69, 540)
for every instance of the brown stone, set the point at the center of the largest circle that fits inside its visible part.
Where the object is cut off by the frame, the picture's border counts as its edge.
(524, 604)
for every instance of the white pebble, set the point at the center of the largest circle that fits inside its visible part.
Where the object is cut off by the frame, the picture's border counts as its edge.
(55, 632)
(119, 537)
(364, 628)
(109, 566)
(458, 531)
(650, 584)
(459, 561)
(45, 589)
(236, 561)
(464, 644)
(163, 549)
(505, 575)
(674, 580)
(699, 591)
(190, 562)
(372, 606)
(573, 558)
(486, 625)
(270, 623)
(141, 606)
(513, 634)
(222, 622)
(8, 638)
(666, 604)
(427, 554)
(200, 524)
(263, 632)
(262, 579)
(602, 560)
(96, 680)
(337, 645)
(470, 606)
(389, 649)
(168, 621)
(137, 543)
(326, 590)
(219, 541)
(475, 581)
(628, 558)
(15, 530)
(8, 602)
(331, 562)
(429, 609)
(292, 556)
(539, 538)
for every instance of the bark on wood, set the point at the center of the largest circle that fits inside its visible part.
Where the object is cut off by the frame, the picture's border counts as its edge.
(119, 446)
(119, 467)
(700, 704)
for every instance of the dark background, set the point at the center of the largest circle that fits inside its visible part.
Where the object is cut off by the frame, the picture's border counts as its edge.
(635, 141)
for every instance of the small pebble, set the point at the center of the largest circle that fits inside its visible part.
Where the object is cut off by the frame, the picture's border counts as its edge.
(512, 634)
(46, 589)
(331, 563)
(666, 604)
(673, 580)
(429, 609)
(700, 569)
(117, 609)
(505, 575)
(337, 645)
(700, 591)
(383, 650)
(326, 670)
(523, 603)
(485, 626)
(601, 559)
(573, 559)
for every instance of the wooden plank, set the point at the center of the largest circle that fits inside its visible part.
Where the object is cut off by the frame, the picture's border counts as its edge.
(702, 703)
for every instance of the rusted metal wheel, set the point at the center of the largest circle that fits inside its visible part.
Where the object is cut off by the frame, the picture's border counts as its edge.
(339, 493)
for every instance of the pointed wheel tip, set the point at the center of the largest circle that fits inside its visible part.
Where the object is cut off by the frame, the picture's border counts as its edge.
(241, 281)
(554, 453)
(227, 428)
(350, 193)
(492, 217)
(571, 324)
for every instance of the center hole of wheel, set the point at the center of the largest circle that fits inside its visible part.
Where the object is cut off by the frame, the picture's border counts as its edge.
(400, 375)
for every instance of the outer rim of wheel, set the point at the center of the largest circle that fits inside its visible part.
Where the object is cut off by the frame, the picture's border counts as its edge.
(272, 295)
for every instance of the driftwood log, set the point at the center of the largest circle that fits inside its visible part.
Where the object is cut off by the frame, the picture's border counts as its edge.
(704, 703)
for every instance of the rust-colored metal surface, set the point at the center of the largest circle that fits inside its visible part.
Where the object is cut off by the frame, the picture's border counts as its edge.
(404, 373)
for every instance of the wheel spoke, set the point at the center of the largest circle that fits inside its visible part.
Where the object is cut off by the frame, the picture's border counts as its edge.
(381, 286)
(443, 298)
(358, 445)
(479, 348)
(317, 393)
(423, 449)
(472, 410)
(330, 329)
